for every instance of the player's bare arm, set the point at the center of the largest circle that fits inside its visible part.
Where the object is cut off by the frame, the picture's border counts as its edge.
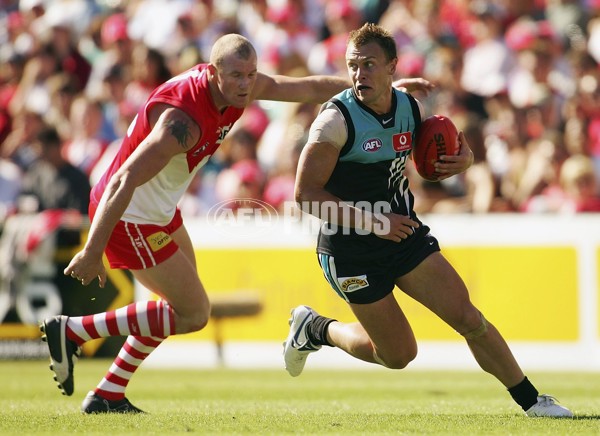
(317, 89)
(174, 132)
(315, 167)
(327, 136)
(310, 89)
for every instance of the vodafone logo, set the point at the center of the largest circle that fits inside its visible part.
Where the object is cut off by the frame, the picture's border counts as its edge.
(402, 141)
(372, 145)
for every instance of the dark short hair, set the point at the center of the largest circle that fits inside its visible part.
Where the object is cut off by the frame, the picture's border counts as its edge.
(370, 32)
(48, 136)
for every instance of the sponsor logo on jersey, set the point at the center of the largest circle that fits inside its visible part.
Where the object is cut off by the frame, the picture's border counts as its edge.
(158, 240)
(402, 141)
(352, 284)
(372, 145)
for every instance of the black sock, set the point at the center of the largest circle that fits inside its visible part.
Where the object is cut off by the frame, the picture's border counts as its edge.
(525, 394)
(317, 330)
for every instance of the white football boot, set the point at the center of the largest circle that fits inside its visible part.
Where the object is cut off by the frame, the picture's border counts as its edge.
(297, 346)
(546, 406)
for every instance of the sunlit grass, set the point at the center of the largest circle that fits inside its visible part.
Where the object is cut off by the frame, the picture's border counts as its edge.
(224, 401)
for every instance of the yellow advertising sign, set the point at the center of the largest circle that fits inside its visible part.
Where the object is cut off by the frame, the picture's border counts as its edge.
(529, 293)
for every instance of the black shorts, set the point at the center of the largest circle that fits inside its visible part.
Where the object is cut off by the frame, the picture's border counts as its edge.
(371, 279)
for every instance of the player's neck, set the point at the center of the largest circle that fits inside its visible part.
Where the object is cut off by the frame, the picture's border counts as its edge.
(216, 96)
(382, 105)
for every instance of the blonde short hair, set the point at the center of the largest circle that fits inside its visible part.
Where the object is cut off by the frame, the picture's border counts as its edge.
(229, 44)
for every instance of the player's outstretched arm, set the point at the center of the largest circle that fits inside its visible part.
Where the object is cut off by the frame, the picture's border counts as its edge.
(318, 89)
(309, 89)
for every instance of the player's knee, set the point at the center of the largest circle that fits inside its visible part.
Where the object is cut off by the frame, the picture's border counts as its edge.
(475, 328)
(194, 320)
(397, 360)
(199, 322)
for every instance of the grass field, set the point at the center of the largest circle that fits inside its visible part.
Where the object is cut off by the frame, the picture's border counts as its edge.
(259, 402)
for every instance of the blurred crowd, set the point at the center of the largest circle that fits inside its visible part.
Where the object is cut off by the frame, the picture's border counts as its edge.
(519, 77)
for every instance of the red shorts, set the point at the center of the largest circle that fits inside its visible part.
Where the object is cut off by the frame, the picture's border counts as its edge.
(141, 246)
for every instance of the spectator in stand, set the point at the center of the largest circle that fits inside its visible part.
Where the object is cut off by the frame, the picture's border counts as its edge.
(63, 91)
(537, 170)
(187, 41)
(327, 56)
(237, 186)
(579, 182)
(279, 187)
(19, 146)
(85, 146)
(541, 80)
(408, 22)
(63, 41)
(286, 39)
(32, 93)
(17, 39)
(118, 111)
(239, 145)
(148, 70)
(52, 182)
(116, 52)
(23, 37)
(154, 23)
(488, 61)
(282, 132)
(11, 71)
(575, 190)
(190, 53)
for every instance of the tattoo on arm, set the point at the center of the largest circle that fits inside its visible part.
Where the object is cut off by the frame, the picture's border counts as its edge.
(181, 131)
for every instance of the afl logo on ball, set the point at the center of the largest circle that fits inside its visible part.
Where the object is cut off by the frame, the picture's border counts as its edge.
(372, 145)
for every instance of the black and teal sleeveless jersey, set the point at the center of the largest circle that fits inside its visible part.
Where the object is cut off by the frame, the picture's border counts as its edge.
(370, 171)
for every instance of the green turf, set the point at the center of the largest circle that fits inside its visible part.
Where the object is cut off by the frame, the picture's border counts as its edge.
(262, 402)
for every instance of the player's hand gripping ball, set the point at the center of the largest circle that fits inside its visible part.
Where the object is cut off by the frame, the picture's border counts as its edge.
(436, 136)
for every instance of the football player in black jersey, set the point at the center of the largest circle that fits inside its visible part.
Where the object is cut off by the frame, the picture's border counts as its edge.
(351, 175)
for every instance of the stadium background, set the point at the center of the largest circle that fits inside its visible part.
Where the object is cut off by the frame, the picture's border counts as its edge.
(539, 286)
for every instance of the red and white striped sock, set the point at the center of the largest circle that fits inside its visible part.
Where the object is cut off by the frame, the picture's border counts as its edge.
(132, 354)
(145, 318)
